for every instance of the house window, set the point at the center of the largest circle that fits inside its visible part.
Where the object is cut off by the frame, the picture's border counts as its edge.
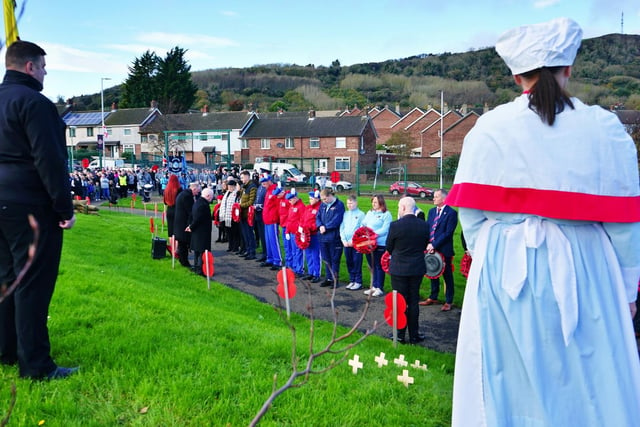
(109, 131)
(343, 164)
(314, 142)
(341, 142)
(128, 148)
(72, 132)
(89, 131)
(265, 143)
(288, 143)
(127, 132)
(203, 136)
(143, 139)
(245, 143)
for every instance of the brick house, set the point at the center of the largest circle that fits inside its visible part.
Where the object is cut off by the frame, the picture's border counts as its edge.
(313, 144)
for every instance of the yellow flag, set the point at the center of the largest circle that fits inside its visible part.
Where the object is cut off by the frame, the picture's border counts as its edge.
(10, 25)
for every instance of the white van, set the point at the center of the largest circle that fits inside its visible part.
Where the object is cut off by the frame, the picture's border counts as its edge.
(287, 173)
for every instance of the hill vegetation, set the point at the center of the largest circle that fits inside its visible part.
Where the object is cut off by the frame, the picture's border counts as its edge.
(606, 72)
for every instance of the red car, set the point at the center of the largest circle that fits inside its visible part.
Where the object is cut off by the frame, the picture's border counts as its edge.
(413, 189)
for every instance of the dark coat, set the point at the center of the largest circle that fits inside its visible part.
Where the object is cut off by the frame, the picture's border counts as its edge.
(331, 218)
(443, 239)
(406, 242)
(184, 205)
(201, 226)
(33, 152)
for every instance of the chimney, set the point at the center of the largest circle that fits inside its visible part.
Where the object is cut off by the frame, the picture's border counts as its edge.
(312, 114)
(486, 108)
(153, 105)
(114, 106)
(446, 108)
(69, 103)
(398, 108)
(205, 110)
(464, 110)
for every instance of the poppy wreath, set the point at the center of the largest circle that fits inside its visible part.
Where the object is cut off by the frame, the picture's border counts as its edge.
(465, 265)
(303, 238)
(235, 212)
(364, 240)
(216, 215)
(385, 260)
(435, 264)
(251, 215)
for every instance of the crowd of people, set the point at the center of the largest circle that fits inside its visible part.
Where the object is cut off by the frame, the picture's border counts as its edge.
(253, 212)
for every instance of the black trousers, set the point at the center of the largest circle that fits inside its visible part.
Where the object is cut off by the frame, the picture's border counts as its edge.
(409, 288)
(24, 336)
(447, 276)
(183, 252)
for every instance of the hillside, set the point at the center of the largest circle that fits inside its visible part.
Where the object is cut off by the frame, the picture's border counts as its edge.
(606, 72)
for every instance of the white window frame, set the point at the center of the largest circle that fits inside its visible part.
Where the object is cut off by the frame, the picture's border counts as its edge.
(312, 140)
(204, 136)
(342, 160)
(289, 142)
(265, 143)
(89, 131)
(72, 132)
(126, 131)
(128, 148)
(341, 142)
(245, 144)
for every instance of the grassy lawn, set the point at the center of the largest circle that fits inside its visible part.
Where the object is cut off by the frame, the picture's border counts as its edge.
(156, 347)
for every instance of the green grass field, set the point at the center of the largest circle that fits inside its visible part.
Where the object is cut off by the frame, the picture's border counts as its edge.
(156, 348)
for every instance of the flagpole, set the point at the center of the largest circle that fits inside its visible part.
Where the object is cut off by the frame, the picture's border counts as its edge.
(102, 79)
(441, 135)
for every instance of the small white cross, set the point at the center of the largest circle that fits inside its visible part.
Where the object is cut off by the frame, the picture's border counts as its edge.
(355, 363)
(405, 378)
(381, 361)
(400, 361)
(415, 364)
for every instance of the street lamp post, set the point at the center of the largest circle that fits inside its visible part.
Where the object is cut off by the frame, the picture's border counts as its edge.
(102, 79)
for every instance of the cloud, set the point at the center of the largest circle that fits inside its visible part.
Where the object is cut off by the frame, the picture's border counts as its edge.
(185, 40)
(65, 58)
(228, 13)
(542, 4)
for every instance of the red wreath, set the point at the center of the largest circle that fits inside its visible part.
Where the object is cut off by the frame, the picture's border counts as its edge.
(364, 240)
(216, 215)
(251, 215)
(303, 238)
(385, 260)
(465, 265)
(235, 212)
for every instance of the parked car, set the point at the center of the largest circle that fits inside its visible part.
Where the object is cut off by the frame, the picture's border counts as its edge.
(340, 185)
(413, 189)
(394, 171)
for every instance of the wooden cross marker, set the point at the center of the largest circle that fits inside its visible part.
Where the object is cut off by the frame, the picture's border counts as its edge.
(400, 361)
(355, 363)
(381, 361)
(417, 365)
(405, 378)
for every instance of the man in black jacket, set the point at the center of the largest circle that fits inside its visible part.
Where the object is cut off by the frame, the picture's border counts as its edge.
(184, 206)
(200, 228)
(407, 239)
(33, 181)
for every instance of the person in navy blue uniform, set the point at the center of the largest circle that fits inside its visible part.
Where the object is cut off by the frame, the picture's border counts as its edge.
(442, 221)
(328, 221)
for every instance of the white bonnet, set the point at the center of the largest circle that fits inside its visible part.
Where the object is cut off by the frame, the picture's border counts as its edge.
(549, 44)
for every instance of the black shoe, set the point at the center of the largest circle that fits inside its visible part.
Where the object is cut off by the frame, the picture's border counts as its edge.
(326, 284)
(417, 340)
(275, 267)
(241, 253)
(229, 250)
(250, 257)
(261, 259)
(315, 280)
(401, 339)
(265, 264)
(60, 373)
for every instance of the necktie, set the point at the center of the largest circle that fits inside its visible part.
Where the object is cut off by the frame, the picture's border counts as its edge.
(432, 234)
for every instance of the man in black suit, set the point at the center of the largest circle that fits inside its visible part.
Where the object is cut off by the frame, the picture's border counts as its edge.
(442, 221)
(200, 228)
(184, 206)
(408, 237)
